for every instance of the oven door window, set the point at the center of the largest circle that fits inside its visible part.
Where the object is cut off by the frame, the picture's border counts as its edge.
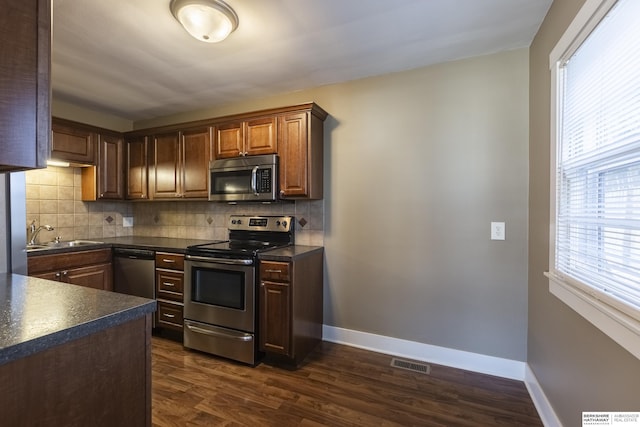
(220, 288)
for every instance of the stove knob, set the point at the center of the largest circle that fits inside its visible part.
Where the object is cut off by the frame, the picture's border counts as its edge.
(278, 223)
(284, 224)
(239, 221)
(233, 221)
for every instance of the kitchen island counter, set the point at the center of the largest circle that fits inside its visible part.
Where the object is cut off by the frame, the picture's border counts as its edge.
(71, 355)
(36, 314)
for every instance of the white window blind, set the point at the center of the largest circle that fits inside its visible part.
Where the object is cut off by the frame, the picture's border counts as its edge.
(597, 235)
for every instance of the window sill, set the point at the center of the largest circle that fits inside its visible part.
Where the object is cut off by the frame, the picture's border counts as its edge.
(619, 326)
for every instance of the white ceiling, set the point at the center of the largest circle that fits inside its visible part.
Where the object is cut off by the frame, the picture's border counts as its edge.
(132, 59)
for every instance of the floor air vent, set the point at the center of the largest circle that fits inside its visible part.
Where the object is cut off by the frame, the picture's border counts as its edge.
(421, 368)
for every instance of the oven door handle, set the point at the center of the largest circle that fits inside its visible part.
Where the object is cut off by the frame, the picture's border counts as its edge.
(244, 337)
(220, 260)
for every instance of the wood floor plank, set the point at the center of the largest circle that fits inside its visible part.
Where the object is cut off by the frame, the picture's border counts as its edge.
(336, 386)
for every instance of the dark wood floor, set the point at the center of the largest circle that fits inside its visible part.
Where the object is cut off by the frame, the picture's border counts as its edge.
(337, 386)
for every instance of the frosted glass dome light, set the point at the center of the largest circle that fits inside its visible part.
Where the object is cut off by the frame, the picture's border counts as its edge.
(209, 21)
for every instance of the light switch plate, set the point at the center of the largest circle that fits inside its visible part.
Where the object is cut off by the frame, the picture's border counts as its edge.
(497, 231)
(127, 221)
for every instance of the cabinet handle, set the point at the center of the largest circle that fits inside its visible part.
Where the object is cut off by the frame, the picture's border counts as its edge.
(273, 271)
(65, 272)
(168, 260)
(58, 275)
(170, 316)
(101, 195)
(168, 284)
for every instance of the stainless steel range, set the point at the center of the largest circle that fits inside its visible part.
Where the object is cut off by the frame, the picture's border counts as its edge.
(221, 286)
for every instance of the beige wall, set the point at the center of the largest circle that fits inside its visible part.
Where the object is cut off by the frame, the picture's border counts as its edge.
(578, 367)
(417, 165)
(64, 110)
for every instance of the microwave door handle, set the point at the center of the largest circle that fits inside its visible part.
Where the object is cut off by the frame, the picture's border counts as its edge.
(254, 180)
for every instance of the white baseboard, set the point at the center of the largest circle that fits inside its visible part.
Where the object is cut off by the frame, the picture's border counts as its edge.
(544, 408)
(481, 363)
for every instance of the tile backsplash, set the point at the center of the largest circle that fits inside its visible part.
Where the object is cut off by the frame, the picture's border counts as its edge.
(54, 198)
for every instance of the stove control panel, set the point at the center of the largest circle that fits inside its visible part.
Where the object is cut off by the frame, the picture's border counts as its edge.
(261, 223)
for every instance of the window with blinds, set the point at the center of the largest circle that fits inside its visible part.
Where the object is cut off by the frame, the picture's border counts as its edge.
(597, 170)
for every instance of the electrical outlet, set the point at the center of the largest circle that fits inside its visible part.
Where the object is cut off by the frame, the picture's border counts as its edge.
(497, 231)
(127, 221)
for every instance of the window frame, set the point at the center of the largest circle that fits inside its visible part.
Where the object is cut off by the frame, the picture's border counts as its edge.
(617, 320)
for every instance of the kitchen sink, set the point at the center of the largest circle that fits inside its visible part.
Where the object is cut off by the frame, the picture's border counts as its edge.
(72, 243)
(62, 244)
(36, 247)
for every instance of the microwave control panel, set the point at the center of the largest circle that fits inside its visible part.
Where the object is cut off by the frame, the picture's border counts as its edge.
(264, 180)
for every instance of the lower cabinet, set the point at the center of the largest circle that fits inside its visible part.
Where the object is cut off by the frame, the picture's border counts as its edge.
(275, 308)
(169, 290)
(92, 268)
(290, 302)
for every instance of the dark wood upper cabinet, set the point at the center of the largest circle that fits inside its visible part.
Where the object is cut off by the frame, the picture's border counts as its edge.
(229, 140)
(137, 168)
(261, 136)
(110, 171)
(300, 147)
(106, 179)
(196, 154)
(73, 142)
(179, 164)
(246, 138)
(164, 174)
(25, 92)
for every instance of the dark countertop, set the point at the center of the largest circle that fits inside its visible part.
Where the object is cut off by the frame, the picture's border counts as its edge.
(151, 243)
(155, 243)
(289, 253)
(36, 314)
(169, 244)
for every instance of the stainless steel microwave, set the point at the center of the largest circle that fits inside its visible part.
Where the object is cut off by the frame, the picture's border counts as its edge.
(244, 179)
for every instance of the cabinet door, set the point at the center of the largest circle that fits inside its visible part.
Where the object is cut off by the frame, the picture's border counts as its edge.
(196, 154)
(110, 176)
(275, 318)
(52, 275)
(25, 114)
(137, 171)
(72, 143)
(293, 150)
(95, 276)
(164, 176)
(229, 140)
(261, 136)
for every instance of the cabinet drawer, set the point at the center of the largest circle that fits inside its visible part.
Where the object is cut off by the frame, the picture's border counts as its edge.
(170, 315)
(170, 284)
(37, 264)
(273, 270)
(171, 261)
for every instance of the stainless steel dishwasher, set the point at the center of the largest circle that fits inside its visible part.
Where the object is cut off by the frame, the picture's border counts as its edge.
(134, 272)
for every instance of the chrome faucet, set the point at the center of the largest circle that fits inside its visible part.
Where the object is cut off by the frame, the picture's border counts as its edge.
(36, 230)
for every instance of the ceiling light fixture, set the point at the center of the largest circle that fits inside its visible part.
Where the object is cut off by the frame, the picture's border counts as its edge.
(209, 21)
